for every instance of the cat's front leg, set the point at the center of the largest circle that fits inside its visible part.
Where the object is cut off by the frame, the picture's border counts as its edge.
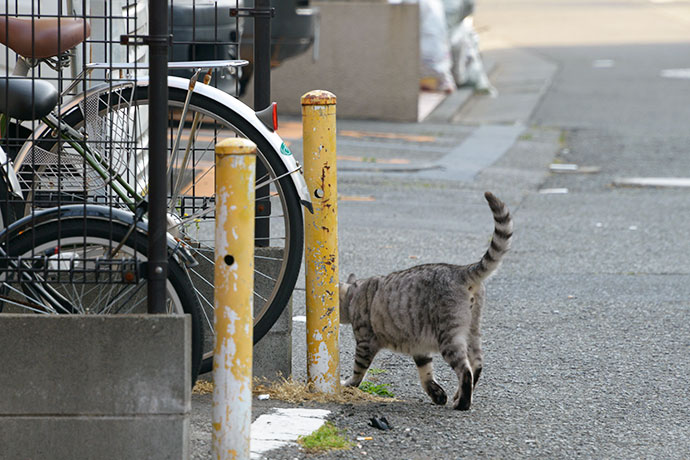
(426, 377)
(364, 355)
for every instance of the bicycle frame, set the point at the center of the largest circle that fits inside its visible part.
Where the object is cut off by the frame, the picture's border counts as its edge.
(9, 175)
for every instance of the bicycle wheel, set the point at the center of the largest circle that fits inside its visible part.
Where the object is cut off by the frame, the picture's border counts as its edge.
(115, 122)
(68, 267)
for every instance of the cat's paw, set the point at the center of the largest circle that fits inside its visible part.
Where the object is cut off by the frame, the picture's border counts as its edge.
(463, 397)
(351, 382)
(438, 396)
(463, 402)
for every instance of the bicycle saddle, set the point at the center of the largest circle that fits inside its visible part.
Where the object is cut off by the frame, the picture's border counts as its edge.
(42, 38)
(26, 99)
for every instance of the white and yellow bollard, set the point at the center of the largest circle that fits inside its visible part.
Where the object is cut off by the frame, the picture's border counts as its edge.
(233, 298)
(321, 241)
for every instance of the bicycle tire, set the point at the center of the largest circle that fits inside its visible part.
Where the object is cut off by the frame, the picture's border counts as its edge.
(268, 307)
(63, 256)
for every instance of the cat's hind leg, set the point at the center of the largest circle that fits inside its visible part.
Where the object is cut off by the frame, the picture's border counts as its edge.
(474, 340)
(455, 355)
(476, 358)
(426, 376)
(364, 355)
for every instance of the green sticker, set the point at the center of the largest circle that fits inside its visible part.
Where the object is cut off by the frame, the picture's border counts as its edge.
(284, 150)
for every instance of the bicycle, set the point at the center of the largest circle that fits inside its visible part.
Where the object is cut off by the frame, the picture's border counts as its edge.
(92, 150)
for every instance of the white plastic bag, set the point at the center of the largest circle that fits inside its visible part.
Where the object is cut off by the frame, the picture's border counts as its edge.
(456, 11)
(468, 68)
(434, 47)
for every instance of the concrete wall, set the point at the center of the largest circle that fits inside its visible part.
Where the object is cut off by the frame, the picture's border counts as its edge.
(368, 57)
(87, 387)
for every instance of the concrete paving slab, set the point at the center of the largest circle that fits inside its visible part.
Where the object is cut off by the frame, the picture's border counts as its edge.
(480, 150)
(521, 79)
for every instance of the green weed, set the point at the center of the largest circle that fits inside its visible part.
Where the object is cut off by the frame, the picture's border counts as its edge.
(326, 438)
(379, 389)
(562, 139)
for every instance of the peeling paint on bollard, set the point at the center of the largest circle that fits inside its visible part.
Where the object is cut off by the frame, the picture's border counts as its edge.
(321, 241)
(233, 298)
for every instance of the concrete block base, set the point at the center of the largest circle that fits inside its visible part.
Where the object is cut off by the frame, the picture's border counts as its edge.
(106, 387)
(273, 353)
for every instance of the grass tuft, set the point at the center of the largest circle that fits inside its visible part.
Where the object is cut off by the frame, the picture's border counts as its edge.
(326, 438)
(378, 389)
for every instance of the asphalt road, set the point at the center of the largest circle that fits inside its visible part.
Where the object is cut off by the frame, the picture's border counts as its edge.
(586, 331)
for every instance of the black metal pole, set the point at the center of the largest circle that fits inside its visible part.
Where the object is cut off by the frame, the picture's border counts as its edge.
(158, 104)
(262, 54)
(262, 99)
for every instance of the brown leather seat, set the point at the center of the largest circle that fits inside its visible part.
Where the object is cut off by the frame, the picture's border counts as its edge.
(50, 38)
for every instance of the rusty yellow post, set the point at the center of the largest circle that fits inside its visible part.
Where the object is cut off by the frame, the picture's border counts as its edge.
(233, 298)
(321, 241)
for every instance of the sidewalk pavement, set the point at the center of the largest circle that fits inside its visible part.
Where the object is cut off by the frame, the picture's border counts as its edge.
(463, 135)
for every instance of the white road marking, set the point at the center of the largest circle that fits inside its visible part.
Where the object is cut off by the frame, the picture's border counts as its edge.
(603, 63)
(553, 191)
(299, 319)
(283, 427)
(676, 73)
(682, 182)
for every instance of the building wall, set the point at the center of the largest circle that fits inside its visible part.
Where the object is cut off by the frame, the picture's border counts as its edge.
(368, 57)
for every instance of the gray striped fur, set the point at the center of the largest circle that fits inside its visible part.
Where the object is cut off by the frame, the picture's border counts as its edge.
(427, 309)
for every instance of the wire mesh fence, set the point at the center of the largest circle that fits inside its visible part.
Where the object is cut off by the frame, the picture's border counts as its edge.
(77, 149)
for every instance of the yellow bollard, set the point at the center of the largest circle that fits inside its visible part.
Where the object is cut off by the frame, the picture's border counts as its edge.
(233, 298)
(321, 241)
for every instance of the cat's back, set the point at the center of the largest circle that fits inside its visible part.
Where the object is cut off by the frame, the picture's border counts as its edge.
(438, 274)
(419, 285)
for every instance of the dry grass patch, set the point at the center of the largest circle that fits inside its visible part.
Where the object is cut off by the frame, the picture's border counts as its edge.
(202, 387)
(296, 392)
(291, 391)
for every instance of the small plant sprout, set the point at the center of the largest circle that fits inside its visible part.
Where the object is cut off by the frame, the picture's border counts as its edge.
(376, 371)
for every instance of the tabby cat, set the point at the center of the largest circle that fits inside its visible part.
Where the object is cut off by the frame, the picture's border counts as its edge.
(426, 309)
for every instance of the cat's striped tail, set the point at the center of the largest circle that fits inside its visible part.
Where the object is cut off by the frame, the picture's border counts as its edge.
(500, 240)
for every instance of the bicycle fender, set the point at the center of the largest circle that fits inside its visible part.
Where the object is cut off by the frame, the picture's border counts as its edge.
(237, 106)
(92, 211)
(10, 175)
(233, 104)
